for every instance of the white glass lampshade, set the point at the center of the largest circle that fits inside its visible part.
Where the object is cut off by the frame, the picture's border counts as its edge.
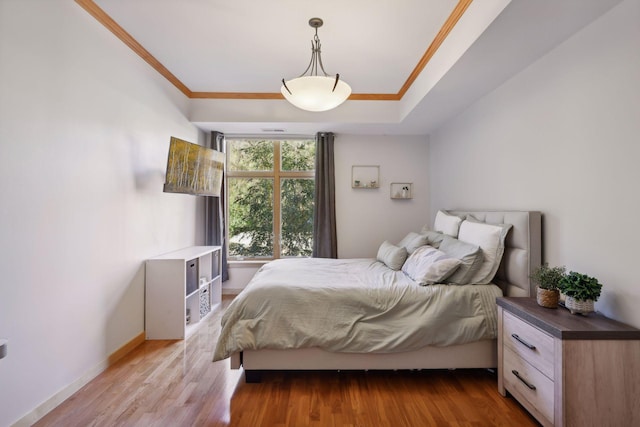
(315, 93)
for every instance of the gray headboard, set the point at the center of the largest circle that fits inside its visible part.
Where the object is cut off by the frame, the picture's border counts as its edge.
(523, 248)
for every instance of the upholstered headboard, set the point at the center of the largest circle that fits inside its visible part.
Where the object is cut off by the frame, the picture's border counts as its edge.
(523, 248)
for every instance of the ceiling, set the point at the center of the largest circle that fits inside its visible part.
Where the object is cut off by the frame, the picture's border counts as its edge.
(411, 64)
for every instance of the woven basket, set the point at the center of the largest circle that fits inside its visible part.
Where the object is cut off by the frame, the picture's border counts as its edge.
(547, 298)
(578, 306)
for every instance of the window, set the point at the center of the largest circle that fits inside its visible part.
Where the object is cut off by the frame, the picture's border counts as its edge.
(270, 190)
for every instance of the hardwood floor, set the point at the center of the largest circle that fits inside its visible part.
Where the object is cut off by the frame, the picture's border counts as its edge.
(174, 383)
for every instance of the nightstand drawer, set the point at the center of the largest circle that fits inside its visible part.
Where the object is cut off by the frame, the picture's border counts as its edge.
(529, 343)
(532, 388)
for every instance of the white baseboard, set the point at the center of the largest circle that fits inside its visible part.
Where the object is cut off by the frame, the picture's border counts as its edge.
(51, 403)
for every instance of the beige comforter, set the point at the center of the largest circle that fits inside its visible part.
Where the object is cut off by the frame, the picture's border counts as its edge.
(352, 305)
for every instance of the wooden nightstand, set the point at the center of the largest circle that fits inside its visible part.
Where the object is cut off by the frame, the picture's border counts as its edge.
(568, 369)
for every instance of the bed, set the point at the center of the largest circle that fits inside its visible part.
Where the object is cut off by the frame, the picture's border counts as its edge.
(385, 309)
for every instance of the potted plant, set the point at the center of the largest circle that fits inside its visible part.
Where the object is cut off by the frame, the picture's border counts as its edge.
(548, 279)
(581, 292)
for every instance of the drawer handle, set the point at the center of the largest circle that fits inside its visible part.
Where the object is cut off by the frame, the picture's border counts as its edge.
(521, 341)
(528, 384)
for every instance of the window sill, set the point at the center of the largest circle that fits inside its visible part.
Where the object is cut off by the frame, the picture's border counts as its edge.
(248, 264)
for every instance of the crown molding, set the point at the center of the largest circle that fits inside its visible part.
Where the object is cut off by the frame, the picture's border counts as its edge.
(101, 16)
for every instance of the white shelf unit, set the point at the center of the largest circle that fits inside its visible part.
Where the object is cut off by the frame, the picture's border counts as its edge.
(168, 297)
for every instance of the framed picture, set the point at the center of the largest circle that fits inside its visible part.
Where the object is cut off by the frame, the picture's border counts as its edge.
(193, 169)
(401, 190)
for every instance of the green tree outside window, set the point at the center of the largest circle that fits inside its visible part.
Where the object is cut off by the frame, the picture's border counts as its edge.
(270, 197)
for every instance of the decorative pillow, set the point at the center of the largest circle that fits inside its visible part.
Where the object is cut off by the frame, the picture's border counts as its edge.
(413, 241)
(490, 238)
(433, 238)
(428, 265)
(447, 223)
(470, 257)
(391, 255)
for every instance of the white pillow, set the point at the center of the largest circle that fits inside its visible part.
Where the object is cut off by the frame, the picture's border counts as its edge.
(391, 255)
(447, 224)
(428, 265)
(490, 238)
(413, 241)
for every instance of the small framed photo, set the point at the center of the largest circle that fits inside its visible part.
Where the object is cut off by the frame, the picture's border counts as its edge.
(401, 190)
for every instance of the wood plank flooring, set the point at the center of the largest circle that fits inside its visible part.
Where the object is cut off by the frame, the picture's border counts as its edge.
(174, 383)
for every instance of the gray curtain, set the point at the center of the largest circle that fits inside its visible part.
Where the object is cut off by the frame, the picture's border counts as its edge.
(214, 212)
(325, 242)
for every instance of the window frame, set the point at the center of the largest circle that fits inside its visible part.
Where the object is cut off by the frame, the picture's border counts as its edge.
(276, 175)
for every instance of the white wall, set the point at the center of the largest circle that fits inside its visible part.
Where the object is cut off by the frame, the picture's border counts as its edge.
(561, 137)
(367, 217)
(84, 132)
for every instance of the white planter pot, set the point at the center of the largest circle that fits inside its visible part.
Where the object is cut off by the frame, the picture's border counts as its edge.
(579, 306)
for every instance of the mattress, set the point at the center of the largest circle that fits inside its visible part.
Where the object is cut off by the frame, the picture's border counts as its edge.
(355, 306)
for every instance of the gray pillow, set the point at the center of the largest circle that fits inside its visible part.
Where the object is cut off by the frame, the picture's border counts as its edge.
(433, 238)
(412, 241)
(392, 256)
(470, 255)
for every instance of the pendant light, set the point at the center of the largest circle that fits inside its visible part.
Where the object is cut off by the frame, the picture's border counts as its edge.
(311, 91)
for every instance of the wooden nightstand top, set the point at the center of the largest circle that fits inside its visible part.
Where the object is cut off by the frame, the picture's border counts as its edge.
(564, 325)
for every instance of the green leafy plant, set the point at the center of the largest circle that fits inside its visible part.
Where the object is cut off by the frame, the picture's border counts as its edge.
(548, 277)
(580, 286)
